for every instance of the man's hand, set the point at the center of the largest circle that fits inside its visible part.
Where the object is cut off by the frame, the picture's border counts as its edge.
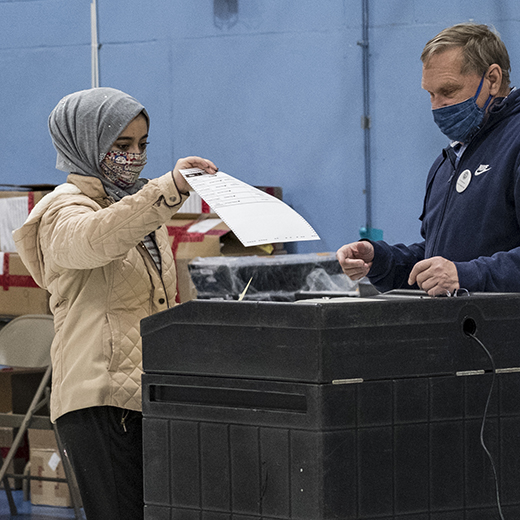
(436, 276)
(190, 162)
(356, 259)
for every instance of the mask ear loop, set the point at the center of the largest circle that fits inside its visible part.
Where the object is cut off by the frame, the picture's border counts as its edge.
(475, 97)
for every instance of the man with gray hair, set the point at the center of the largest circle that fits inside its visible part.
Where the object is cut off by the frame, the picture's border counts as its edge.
(471, 213)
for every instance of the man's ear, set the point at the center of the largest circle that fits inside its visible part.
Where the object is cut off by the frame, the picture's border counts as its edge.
(494, 76)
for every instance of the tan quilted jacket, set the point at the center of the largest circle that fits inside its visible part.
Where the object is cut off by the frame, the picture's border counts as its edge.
(88, 253)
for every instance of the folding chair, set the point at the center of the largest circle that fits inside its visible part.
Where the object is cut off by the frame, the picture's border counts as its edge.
(25, 342)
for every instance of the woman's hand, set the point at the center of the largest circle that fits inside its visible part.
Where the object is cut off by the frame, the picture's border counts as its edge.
(190, 162)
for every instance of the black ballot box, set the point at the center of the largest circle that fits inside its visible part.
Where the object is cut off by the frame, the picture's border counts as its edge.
(333, 409)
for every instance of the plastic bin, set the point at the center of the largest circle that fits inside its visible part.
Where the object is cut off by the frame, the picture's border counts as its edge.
(333, 410)
(273, 278)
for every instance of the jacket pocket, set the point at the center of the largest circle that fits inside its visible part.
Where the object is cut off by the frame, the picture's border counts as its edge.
(56, 359)
(111, 343)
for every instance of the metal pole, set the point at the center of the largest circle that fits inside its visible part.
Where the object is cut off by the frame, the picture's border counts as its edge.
(94, 45)
(365, 122)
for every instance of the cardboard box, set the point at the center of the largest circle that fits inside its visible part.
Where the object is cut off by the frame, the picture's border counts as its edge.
(19, 293)
(196, 237)
(22, 456)
(15, 206)
(186, 290)
(187, 245)
(46, 462)
(191, 238)
(17, 389)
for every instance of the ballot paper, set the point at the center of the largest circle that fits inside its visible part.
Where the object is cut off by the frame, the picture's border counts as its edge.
(254, 216)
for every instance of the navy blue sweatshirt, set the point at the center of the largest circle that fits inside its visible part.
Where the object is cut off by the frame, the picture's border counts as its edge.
(471, 212)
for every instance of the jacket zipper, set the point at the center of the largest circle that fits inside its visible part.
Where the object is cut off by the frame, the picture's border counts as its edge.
(445, 205)
(143, 247)
(123, 419)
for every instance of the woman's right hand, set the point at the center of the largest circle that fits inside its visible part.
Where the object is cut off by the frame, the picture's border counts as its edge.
(190, 162)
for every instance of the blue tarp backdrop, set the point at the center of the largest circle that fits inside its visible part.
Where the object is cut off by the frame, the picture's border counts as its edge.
(270, 90)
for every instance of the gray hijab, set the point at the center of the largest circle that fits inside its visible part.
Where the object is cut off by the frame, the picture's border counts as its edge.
(83, 127)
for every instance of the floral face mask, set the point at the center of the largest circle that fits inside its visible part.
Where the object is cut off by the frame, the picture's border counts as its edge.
(123, 168)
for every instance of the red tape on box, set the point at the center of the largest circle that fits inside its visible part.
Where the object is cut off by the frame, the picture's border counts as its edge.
(21, 453)
(15, 280)
(180, 234)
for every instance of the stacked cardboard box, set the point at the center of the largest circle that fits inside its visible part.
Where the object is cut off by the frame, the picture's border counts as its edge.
(17, 388)
(18, 464)
(19, 294)
(46, 462)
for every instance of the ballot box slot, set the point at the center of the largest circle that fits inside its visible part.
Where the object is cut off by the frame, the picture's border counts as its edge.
(228, 398)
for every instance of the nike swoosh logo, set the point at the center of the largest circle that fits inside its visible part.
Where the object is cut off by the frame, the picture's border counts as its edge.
(483, 168)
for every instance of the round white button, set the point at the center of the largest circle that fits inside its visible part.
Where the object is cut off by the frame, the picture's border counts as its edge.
(463, 181)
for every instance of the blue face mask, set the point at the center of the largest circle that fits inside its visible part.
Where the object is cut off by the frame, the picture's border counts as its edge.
(460, 121)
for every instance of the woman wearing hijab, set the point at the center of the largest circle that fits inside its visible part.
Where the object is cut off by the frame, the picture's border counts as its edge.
(98, 244)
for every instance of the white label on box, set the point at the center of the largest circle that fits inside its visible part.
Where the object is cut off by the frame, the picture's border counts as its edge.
(54, 461)
(204, 225)
(13, 213)
(1, 264)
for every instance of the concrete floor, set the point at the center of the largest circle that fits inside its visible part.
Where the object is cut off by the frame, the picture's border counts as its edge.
(26, 511)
